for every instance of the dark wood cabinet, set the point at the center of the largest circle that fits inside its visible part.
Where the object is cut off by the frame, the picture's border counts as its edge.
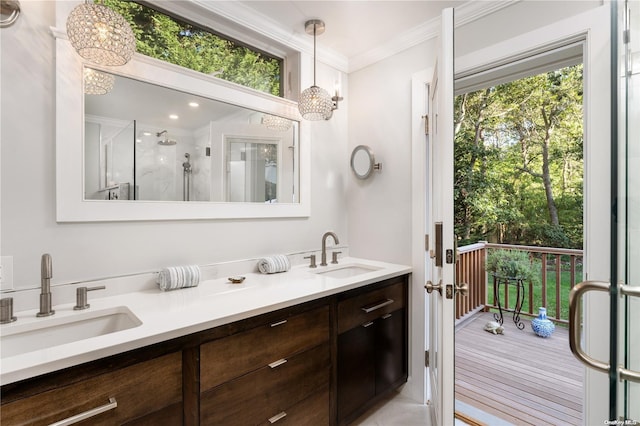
(356, 366)
(372, 355)
(319, 363)
(137, 394)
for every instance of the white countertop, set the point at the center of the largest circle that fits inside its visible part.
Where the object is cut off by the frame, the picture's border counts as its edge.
(167, 315)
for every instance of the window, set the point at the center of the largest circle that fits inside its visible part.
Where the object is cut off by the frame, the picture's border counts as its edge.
(164, 37)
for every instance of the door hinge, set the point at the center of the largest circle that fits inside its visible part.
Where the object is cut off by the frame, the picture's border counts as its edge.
(426, 124)
(426, 359)
(426, 242)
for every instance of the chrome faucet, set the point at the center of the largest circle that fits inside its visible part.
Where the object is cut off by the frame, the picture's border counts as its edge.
(46, 272)
(324, 245)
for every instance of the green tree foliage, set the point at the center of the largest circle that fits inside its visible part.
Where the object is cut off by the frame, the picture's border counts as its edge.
(519, 170)
(163, 37)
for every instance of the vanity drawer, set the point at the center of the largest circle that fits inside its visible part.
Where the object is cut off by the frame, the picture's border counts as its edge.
(256, 397)
(230, 357)
(139, 390)
(312, 411)
(366, 307)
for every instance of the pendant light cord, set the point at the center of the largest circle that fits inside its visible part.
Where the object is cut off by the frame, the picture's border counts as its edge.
(314, 54)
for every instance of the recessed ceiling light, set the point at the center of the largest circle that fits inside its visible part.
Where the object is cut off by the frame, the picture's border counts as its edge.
(173, 116)
(194, 104)
(146, 133)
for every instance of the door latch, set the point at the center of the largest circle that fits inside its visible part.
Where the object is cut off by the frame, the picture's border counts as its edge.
(449, 256)
(449, 291)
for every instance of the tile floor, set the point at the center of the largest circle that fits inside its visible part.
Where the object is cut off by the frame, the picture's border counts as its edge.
(398, 410)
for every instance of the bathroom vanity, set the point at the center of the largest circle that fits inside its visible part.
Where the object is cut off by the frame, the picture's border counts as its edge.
(299, 348)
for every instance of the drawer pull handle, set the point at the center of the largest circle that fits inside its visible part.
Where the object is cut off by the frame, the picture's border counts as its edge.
(275, 324)
(386, 316)
(87, 414)
(277, 363)
(367, 324)
(378, 305)
(277, 417)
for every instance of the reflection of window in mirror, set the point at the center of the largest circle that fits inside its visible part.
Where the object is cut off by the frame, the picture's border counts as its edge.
(252, 169)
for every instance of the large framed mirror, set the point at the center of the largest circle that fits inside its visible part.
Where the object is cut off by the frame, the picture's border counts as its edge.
(163, 142)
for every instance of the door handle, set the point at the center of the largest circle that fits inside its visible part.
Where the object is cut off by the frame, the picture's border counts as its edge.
(575, 296)
(463, 289)
(431, 286)
(630, 375)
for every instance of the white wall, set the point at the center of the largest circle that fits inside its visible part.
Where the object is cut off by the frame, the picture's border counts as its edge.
(82, 251)
(380, 116)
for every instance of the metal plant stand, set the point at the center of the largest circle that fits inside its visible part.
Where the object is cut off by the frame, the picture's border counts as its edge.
(518, 282)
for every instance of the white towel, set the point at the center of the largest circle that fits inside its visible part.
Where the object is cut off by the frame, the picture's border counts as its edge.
(175, 277)
(273, 264)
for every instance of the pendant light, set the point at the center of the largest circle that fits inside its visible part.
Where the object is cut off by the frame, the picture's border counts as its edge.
(97, 83)
(315, 103)
(273, 122)
(100, 35)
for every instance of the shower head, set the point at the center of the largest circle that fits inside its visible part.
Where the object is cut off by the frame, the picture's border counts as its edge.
(166, 141)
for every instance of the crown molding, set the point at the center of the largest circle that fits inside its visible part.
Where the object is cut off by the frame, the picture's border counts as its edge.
(465, 13)
(239, 21)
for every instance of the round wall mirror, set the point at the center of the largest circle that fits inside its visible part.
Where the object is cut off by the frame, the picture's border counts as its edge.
(363, 162)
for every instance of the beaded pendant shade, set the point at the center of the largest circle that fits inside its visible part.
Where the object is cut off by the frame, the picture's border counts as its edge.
(315, 103)
(100, 35)
(273, 122)
(97, 83)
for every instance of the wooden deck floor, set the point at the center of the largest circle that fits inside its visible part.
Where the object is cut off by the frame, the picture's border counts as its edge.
(518, 377)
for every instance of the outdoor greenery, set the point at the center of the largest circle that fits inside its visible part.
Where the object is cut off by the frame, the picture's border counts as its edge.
(518, 162)
(513, 264)
(164, 37)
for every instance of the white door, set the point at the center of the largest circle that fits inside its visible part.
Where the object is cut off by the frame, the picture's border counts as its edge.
(621, 365)
(628, 392)
(442, 280)
(592, 27)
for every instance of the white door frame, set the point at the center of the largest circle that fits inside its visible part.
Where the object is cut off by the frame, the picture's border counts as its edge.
(592, 27)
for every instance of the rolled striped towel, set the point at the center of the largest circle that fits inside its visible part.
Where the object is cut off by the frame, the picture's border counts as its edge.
(175, 277)
(273, 264)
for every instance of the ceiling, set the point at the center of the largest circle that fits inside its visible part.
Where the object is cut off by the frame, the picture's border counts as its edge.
(353, 27)
(358, 32)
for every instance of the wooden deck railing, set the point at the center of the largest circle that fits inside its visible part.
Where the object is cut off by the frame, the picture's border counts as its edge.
(554, 262)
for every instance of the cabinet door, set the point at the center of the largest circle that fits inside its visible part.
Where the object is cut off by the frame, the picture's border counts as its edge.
(390, 351)
(356, 368)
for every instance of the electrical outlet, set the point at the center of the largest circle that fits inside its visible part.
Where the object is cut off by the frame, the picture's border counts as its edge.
(6, 272)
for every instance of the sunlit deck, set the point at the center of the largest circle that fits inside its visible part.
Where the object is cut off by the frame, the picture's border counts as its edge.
(519, 377)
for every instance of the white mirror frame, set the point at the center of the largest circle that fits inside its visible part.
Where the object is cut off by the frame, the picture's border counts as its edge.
(70, 203)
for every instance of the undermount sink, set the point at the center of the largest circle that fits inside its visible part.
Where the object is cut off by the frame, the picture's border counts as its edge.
(347, 271)
(19, 338)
